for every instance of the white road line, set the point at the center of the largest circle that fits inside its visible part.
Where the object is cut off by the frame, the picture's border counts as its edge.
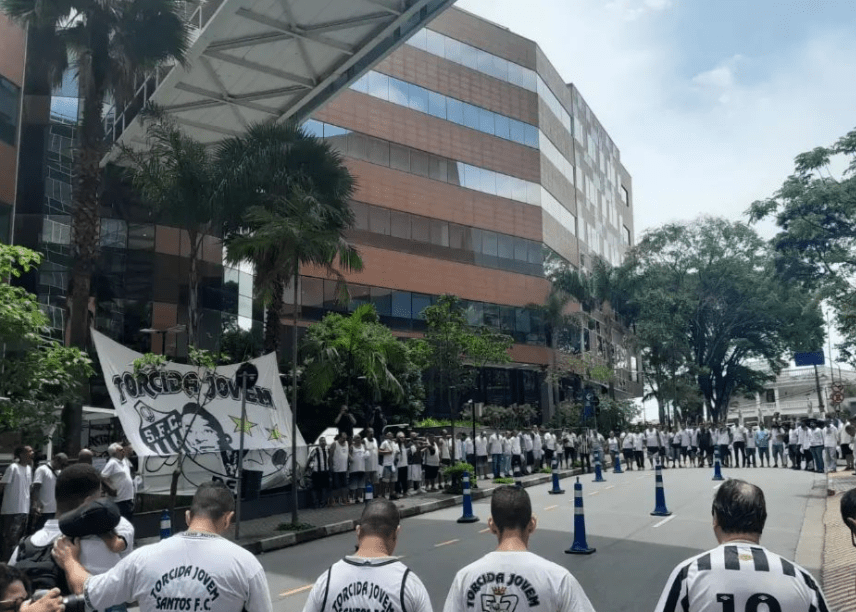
(485, 530)
(716, 486)
(551, 507)
(297, 590)
(609, 487)
(664, 521)
(594, 492)
(446, 543)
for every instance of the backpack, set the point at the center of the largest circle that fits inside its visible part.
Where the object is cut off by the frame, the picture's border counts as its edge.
(39, 566)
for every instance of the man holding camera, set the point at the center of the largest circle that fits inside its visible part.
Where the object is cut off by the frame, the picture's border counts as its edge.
(197, 569)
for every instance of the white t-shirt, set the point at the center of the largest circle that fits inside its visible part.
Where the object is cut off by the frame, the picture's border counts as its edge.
(481, 446)
(516, 582)
(740, 576)
(357, 583)
(358, 459)
(184, 573)
(388, 460)
(550, 441)
(340, 457)
(119, 477)
(16, 493)
(495, 445)
(94, 554)
(371, 457)
(432, 459)
(46, 477)
(627, 441)
(830, 436)
(816, 437)
(739, 434)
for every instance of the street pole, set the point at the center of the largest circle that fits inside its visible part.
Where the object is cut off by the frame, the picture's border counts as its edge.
(473, 406)
(452, 419)
(819, 394)
(240, 467)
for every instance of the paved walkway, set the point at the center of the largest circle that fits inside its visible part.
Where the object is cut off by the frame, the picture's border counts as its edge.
(839, 569)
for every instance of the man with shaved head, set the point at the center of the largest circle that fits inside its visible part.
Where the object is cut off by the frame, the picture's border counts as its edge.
(740, 574)
(372, 578)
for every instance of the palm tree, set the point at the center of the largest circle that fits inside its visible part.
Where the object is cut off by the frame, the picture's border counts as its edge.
(109, 45)
(292, 194)
(175, 175)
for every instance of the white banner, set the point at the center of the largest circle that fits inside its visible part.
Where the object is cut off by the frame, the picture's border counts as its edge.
(172, 410)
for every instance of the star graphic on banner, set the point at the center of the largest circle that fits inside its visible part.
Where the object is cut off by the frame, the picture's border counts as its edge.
(275, 433)
(246, 426)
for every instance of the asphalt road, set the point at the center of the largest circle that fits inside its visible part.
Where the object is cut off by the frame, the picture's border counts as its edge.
(635, 551)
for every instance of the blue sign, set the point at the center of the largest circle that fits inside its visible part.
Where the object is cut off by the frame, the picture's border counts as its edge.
(809, 359)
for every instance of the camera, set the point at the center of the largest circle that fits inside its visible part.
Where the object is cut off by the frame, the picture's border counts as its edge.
(72, 603)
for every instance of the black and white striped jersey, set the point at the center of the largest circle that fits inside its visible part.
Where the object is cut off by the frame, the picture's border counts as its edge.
(740, 577)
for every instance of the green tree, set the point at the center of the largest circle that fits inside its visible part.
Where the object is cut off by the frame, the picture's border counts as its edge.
(815, 211)
(353, 354)
(37, 375)
(454, 346)
(736, 310)
(176, 175)
(110, 46)
(290, 193)
(553, 313)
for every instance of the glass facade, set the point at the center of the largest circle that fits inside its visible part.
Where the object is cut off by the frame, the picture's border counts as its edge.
(10, 99)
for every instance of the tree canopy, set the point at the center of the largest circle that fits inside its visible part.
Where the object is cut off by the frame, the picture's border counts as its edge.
(815, 211)
(709, 304)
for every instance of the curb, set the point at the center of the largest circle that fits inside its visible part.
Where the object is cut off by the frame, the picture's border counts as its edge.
(285, 540)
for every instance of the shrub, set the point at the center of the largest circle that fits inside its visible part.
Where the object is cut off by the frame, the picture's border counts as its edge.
(504, 481)
(455, 474)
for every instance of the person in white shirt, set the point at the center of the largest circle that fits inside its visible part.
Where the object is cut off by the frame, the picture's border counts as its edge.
(628, 440)
(652, 442)
(195, 569)
(740, 574)
(339, 456)
(118, 476)
(481, 454)
(805, 444)
(511, 578)
(549, 447)
(751, 446)
(516, 452)
(494, 447)
(794, 449)
(845, 437)
(432, 464)
(372, 578)
(76, 486)
(357, 457)
(639, 449)
(686, 441)
(537, 448)
(506, 454)
(528, 451)
(830, 446)
(572, 448)
(612, 445)
(470, 452)
(386, 453)
(42, 492)
(15, 508)
(815, 436)
(739, 441)
(372, 462)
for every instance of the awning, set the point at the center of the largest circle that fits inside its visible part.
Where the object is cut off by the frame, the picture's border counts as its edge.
(255, 60)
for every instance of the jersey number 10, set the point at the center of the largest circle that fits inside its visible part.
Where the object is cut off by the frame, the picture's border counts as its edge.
(727, 601)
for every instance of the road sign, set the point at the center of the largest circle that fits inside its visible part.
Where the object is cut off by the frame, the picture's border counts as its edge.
(838, 387)
(807, 359)
(836, 398)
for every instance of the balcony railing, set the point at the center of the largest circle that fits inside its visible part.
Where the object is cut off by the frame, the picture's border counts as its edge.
(197, 14)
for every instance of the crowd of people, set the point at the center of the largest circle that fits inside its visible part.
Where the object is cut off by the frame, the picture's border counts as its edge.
(28, 494)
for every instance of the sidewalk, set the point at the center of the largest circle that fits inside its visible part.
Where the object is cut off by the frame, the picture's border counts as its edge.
(839, 569)
(261, 535)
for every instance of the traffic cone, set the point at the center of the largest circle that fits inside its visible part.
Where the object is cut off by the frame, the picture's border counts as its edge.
(369, 493)
(717, 466)
(580, 546)
(165, 525)
(598, 474)
(617, 469)
(659, 495)
(467, 516)
(556, 489)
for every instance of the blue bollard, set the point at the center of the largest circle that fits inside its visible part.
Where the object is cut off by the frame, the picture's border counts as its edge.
(598, 473)
(580, 546)
(659, 495)
(617, 469)
(467, 516)
(368, 496)
(717, 466)
(557, 490)
(165, 525)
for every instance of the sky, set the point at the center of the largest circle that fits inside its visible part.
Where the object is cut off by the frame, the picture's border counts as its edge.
(709, 101)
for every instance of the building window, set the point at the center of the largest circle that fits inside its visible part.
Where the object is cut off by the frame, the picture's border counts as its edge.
(626, 237)
(9, 101)
(625, 197)
(771, 396)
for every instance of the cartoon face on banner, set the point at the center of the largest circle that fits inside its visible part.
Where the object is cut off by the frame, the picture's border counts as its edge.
(178, 409)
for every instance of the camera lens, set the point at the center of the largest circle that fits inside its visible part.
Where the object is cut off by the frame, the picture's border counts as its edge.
(74, 603)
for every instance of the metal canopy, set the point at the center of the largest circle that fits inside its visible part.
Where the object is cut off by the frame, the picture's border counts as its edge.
(256, 60)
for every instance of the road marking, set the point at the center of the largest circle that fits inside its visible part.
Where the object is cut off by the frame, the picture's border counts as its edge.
(664, 521)
(297, 590)
(485, 530)
(641, 477)
(594, 492)
(716, 486)
(609, 487)
(445, 543)
(552, 507)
